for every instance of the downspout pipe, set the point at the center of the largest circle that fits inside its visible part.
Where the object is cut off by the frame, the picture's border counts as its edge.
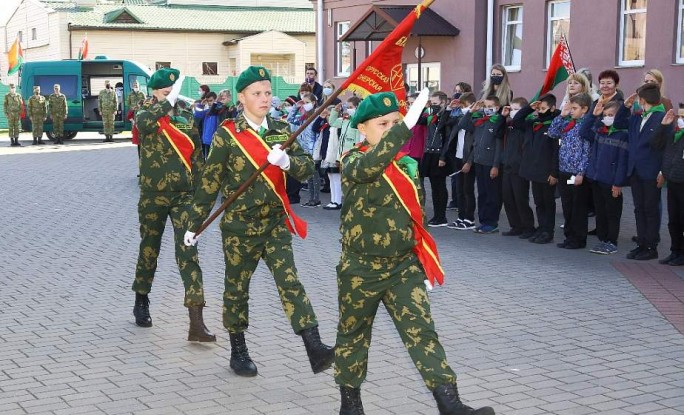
(320, 59)
(490, 37)
(69, 29)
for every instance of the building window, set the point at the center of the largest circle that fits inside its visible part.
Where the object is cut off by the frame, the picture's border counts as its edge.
(558, 25)
(343, 51)
(34, 34)
(159, 65)
(511, 44)
(20, 35)
(209, 68)
(431, 73)
(633, 32)
(680, 33)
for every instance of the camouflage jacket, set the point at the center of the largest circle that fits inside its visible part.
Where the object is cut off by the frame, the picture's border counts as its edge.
(227, 168)
(106, 101)
(134, 100)
(373, 220)
(161, 168)
(57, 105)
(13, 104)
(37, 107)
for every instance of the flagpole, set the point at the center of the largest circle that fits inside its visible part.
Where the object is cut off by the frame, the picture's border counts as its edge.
(244, 186)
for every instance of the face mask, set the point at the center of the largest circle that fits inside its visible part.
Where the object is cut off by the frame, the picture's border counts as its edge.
(496, 79)
(540, 113)
(680, 123)
(301, 96)
(513, 112)
(489, 111)
(608, 121)
(327, 91)
(435, 108)
(308, 107)
(351, 111)
(466, 110)
(201, 93)
(457, 95)
(136, 89)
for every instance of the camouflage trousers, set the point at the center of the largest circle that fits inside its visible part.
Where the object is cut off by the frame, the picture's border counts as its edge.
(153, 209)
(58, 126)
(245, 242)
(108, 122)
(37, 127)
(14, 125)
(363, 282)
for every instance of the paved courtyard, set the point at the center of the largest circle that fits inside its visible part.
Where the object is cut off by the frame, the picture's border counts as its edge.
(529, 329)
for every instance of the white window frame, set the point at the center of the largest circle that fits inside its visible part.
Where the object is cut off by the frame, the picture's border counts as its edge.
(505, 24)
(621, 44)
(549, 27)
(339, 71)
(425, 68)
(679, 56)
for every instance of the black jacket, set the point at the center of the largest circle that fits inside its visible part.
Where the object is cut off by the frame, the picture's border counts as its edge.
(487, 140)
(539, 158)
(513, 144)
(673, 159)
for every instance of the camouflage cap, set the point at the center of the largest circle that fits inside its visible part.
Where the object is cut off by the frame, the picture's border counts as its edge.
(36, 88)
(375, 106)
(251, 75)
(163, 78)
(11, 85)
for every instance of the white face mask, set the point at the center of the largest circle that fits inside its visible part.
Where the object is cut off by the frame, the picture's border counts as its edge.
(513, 112)
(301, 96)
(608, 121)
(308, 107)
(327, 91)
(680, 123)
(200, 92)
(351, 111)
(136, 89)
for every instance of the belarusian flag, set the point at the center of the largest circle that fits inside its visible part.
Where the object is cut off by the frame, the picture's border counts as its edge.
(560, 67)
(382, 70)
(15, 57)
(83, 51)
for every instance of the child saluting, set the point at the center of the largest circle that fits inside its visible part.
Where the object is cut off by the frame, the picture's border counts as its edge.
(386, 256)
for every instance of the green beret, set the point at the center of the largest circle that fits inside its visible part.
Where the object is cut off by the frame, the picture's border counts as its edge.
(375, 106)
(163, 78)
(251, 75)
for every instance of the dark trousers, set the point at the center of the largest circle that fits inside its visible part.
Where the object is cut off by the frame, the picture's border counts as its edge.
(292, 186)
(574, 201)
(608, 212)
(516, 200)
(488, 196)
(439, 196)
(646, 196)
(675, 210)
(455, 186)
(466, 193)
(545, 203)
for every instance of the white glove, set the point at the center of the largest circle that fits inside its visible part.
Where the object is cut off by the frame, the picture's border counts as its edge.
(428, 286)
(279, 157)
(413, 114)
(175, 90)
(190, 239)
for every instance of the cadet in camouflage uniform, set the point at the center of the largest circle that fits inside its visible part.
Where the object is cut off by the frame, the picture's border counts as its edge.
(380, 259)
(135, 98)
(37, 111)
(166, 188)
(13, 103)
(57, 107)
(254, 226)
(106, 103)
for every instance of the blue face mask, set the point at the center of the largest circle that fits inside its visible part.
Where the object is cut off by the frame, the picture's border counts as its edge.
(489, 111)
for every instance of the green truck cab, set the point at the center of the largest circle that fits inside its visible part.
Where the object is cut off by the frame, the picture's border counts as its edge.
(81, 82)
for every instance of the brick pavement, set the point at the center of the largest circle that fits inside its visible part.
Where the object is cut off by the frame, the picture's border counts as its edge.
(530, 329)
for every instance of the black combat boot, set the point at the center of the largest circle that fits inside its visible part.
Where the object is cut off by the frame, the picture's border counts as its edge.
(40, 140)
(16, 142)
(141, 310)
(449, 403)
(240, 361)
(35, 141)
(198, 332)
(351, 401)
(321, 357)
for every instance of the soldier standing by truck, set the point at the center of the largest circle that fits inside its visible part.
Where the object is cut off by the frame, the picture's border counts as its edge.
(13, 104)
(106, 103)
(37, 111)
(57, 105)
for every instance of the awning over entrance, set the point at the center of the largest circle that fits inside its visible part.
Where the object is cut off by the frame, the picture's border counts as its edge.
(379, 21)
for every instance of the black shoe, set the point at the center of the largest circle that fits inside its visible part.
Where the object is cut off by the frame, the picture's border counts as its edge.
(512, 232)
(529, 234)
(321, 357)
(575, 245)
(436, 223)
(562, 244)
(667, 259)
(198, 332)
(141, 310)
(294, 201)
(646, 254)
(240, 361)
(634, 252)
(35, 141)
(351, 401)
(635, 239)
(677, 262)
(542, 238)
(449, 403)
(592, 232)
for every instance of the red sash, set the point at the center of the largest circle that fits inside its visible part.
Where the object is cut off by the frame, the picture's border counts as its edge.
(406, 191)
(178, 139)
(256, 151)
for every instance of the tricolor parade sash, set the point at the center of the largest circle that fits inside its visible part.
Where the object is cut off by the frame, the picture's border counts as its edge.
(256, 151)
(426, 249)
(178, 139)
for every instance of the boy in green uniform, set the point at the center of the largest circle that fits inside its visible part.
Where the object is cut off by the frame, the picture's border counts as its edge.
(259, 223)
(13, 104)
(386, 256)
(169, 159)
(37, 111)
